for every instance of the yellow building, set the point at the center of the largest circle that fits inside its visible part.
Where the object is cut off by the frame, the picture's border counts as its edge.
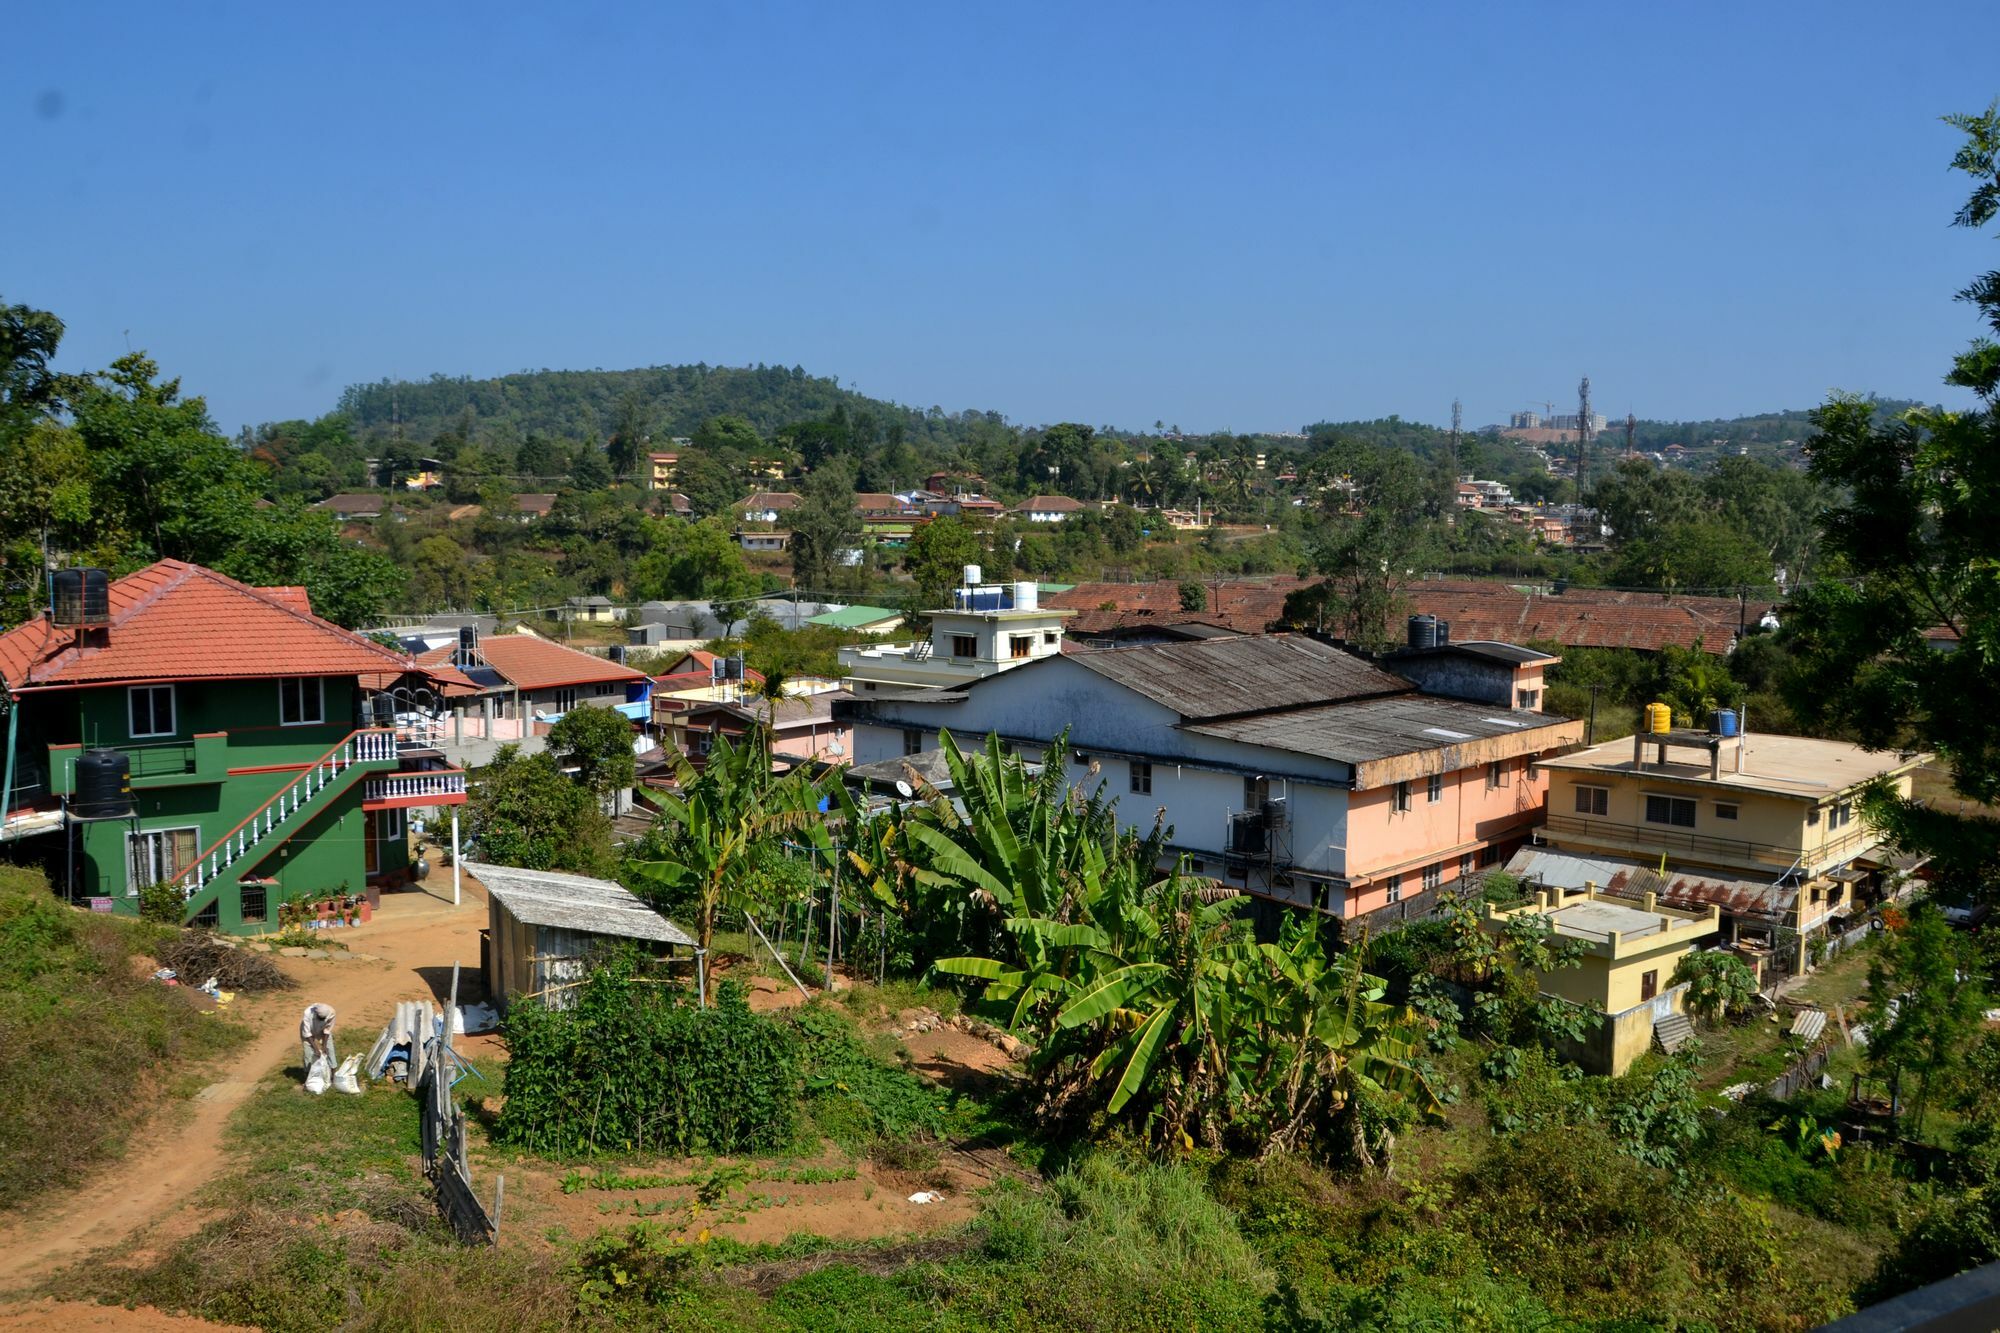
(662, 467)
(1767, 828)
(1630, 951)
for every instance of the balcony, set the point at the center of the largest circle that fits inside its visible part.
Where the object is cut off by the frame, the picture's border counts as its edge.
(430, 787)
(1643, 839)
(203, 758)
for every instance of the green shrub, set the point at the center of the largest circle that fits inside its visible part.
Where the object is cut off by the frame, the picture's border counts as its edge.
(856, 1099)
(90, 1043)
(641, 1068)
(162, 903)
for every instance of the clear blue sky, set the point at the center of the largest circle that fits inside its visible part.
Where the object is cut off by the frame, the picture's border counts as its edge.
(1235, 216)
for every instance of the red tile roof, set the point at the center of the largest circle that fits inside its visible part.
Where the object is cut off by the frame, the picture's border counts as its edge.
(1584, 617)
(176, 621)
(537, 504)
(1248, 606)
(772, 500)
(695, 668)
(531, 663)
(1056, 504)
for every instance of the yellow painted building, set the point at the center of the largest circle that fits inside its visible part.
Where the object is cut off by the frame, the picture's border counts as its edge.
(1631, 949)
(661, 468)
(1767, 828)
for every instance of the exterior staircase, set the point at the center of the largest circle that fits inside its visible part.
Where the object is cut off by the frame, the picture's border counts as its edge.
(220, 867)
(1673, 1032)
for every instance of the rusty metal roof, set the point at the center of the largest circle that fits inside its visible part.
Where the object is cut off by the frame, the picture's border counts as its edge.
(1218, 678)
(1679, 887)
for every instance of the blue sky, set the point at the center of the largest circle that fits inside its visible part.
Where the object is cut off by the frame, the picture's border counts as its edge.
(1220, 216)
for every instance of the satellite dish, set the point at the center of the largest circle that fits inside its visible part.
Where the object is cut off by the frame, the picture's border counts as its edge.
(903, 788)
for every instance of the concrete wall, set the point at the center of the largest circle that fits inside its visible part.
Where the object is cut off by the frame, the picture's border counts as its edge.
(1469, 815)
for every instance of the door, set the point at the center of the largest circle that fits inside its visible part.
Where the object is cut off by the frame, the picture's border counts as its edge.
(1649, 986)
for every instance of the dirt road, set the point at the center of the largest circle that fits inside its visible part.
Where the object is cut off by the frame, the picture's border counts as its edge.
(413, 940)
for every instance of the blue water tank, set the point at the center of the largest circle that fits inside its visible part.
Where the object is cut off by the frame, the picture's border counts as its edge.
(1725, 721)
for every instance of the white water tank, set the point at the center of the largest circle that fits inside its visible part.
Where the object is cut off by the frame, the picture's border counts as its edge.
(972, 574)
(1024, 596)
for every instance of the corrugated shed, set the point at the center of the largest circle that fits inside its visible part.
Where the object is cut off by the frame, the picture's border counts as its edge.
(1248, 606)
(177, 621)
(574, 902)
(1218, 678)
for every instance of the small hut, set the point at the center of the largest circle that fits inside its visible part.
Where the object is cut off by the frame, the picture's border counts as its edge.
(545, 928)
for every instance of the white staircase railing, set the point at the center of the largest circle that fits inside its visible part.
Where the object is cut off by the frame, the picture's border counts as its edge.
(281, 812)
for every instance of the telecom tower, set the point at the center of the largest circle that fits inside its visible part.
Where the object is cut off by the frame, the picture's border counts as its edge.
(1583, 438)
(1457, 418)
(1631, 426)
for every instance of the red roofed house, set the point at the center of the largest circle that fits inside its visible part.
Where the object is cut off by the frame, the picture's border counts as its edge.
(196, 732)
(533, 680)
(1048, 508)
(765, 506)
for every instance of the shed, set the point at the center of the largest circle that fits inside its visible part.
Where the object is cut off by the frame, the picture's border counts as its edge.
(544, 926)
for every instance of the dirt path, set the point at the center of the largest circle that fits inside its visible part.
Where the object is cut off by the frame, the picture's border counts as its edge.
(413, 941)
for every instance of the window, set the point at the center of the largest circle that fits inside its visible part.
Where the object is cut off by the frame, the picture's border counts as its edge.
(152, 710)
(867, 684)
(1402, 798)
(1050, 637)
(1593, 800)
(1841, 815)
(964, 645)
(1197, 866)
(1527, 698)
(1489, 855)
(1020, 645)
(1815, 895)
(1675, 810)
(253, 903)
(1434, 790)
(1256, 791)
(1496, 773)
(1141, 774)
(1395, 888)
(1433, 875)
(1465, 865)
(913, 741)
(1812, 815)
(566, 699)
(301, 701)
(1649, 985)
(158, 855)
(1725, 810)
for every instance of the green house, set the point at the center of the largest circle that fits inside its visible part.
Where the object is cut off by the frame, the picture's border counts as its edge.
(177, 727)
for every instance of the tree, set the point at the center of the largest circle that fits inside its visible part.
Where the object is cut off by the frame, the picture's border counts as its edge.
(290, 544)
(1917, 540)
(1718, 983)
(597, 742)
(1380, 517)
(825, 526)
(625, 451)
(728, 433)
(936, 558)
(691, 560)
(1194, 597)
(1939, 1008)
(709, 483)
(589, 468)
(526, 812)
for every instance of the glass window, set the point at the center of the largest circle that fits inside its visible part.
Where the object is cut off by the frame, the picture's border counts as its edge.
(1050, 636)
(964, 645)
(159, 855)
(152, 710)
(1592, 800)
(1256, 791)
(301, 701)
(1433, 875)
(1496, 773)
(1434, 791)
(1020, 645)
(913, 741)
(565, 699)
(1395, 888)
(1528, 698)
(1141, 776)
(1402, 797)
(1675, 810)
(1724, 810)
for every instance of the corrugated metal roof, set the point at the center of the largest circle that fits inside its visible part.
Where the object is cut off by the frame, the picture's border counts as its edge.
(1355, 733)
(574, 902)
(1809, 1024)
(1512, 654)
(1677, 888)
(1218, 678)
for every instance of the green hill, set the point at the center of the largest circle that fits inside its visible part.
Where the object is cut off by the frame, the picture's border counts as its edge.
(673, 400)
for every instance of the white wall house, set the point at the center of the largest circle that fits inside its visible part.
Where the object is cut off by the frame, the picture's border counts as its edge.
(989, 628)
(1048, 508)
(1289, 767)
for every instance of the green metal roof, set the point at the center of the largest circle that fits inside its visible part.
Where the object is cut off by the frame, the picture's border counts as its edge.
(854, 617)
(1055, 587)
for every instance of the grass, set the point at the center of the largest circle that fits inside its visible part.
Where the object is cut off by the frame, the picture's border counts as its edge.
(89, 1046)
(1759, 1050)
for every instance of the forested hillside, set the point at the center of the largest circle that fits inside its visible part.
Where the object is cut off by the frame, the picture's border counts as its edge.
(672, 400)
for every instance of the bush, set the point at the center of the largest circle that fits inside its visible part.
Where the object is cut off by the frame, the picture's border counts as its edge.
(858, 1101)
(88, 1040)
(640, 1068)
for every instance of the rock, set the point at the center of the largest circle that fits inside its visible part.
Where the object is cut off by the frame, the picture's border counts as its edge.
(292, 951)
(319, 953)
(1010, 1046)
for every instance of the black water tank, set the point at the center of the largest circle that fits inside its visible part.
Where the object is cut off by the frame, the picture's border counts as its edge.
(81, 597)
(617, 653)
(1423, 631)
(1444, 632)
(382, 710)
(103, 785)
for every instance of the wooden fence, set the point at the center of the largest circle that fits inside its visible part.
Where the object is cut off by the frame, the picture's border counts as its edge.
(443, 1124)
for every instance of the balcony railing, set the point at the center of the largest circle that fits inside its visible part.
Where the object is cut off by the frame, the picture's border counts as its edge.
(443, 786)
(1664, 837)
